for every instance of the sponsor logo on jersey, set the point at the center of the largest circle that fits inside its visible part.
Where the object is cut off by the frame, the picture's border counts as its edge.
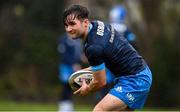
(130, 97)
(100, 29)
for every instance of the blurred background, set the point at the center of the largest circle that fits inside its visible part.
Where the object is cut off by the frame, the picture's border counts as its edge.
(29, 32)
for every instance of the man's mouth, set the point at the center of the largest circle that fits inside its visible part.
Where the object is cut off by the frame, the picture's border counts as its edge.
(71, 33)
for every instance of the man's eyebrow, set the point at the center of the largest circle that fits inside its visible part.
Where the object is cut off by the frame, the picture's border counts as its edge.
(65, 24)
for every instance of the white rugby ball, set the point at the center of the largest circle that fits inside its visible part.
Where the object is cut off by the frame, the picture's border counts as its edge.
(75, 80)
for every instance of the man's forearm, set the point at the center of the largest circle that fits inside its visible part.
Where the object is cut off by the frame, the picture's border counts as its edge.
(95, 85)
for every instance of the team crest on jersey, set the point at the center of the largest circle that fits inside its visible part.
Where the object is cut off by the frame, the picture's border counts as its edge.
(100, 29)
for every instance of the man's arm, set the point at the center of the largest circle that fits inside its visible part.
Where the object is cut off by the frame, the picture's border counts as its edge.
(99, 80)
(94, 54)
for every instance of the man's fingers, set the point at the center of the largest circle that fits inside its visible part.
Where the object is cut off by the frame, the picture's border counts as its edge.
(77, 91)
(83, 81)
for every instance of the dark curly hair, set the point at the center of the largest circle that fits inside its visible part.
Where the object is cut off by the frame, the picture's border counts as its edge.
(80, 12)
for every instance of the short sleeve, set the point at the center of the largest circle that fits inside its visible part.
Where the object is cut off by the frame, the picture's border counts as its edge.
(94, 54)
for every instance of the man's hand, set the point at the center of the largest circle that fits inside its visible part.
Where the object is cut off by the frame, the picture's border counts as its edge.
(83, 90)
(98, 82)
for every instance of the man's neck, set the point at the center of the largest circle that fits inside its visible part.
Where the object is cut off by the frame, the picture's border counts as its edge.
(87, 31)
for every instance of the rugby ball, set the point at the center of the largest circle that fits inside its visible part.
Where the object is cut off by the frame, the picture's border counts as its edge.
(75, 80)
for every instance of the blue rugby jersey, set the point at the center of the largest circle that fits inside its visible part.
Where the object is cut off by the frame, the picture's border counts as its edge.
(106, 45)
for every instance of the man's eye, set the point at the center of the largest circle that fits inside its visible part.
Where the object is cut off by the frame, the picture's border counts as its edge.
(72, 23)
(65, 25)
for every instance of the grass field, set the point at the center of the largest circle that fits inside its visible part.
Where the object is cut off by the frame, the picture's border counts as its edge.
(25, 106)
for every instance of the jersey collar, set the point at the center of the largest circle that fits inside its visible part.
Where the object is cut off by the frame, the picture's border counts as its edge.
(90, 27)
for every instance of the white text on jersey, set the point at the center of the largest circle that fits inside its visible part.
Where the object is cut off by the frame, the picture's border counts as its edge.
(100, 29)
(112, 35)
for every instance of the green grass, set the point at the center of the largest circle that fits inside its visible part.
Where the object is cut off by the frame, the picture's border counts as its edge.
(48, 107)
(26, 106)
(23, 106)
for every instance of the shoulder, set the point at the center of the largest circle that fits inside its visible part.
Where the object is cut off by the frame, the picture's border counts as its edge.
(99, 31)
(98, 27)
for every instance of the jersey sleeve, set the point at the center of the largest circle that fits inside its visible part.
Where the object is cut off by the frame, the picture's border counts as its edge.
(94, 54)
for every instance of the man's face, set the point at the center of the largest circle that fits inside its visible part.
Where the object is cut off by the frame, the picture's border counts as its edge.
(74, 27)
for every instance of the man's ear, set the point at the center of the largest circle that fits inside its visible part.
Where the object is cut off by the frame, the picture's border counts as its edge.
(86, 21)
